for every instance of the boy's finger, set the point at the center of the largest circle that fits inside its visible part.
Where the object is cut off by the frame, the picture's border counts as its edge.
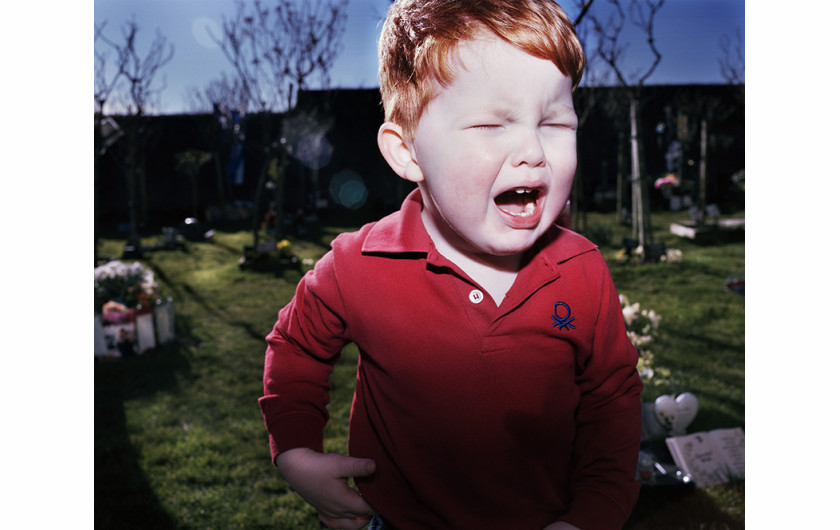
(354, 467)
(354, 523)
(328, 521)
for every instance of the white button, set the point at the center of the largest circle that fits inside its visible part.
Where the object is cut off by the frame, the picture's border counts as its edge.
(476, 296)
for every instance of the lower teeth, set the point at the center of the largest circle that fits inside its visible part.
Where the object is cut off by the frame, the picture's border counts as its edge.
(529, 209)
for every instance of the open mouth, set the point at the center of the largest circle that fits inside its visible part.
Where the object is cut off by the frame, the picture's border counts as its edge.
(518, 202)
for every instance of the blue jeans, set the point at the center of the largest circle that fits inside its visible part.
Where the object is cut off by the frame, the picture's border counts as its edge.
(376, 523)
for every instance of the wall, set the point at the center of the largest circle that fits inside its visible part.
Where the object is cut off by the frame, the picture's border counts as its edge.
(667, 113)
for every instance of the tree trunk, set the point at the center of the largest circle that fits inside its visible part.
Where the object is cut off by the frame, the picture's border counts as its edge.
(97, 176)
(619, 180)
(578, 212)
(636, 178)
(131, 184)
(255, 220)
(143, 199)
(220, 179)
(280, 195)
(702, 176)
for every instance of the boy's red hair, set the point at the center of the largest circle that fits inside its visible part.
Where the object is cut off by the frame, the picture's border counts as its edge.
(418, 38)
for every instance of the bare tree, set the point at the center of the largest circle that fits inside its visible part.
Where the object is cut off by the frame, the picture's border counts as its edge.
(141, 70)
(226, 98)
(702, 112)
(138, 72)
(189, 163)
(104, 82)
(732, 63)
(276, 52)
(135, 74)
(226, 92)
(611, 48)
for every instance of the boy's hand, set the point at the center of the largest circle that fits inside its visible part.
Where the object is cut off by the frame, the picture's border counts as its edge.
(561, 525)
(321, 479)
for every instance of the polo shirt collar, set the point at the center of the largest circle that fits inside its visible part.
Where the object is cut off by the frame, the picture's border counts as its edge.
(400, 232)
(403, 232)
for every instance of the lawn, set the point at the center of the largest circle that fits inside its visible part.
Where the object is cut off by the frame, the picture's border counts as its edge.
(180, 442)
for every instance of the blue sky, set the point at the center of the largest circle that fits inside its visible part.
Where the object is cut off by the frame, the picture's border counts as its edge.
(688, 33)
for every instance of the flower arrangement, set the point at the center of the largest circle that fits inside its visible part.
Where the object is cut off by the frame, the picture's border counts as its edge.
(642, 326)
(667, 182)
(270, 255)
(128, 284)
(284, 247)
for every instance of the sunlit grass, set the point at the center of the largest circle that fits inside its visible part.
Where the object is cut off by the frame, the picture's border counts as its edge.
(180, 442)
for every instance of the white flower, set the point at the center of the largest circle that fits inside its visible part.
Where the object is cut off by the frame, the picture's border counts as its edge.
(654, 319)
(630, 312)
(639, 340)
(116, 280)
(641, 326)
(623, 300)
(148, 282)
(672, 255)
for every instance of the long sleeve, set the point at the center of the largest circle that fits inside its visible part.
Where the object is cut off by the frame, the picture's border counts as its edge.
(604, 489)
(302, 349)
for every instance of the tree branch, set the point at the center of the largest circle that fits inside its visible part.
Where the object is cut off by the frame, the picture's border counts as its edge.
(275, 51)
(643, 19)
(103, 85)
(582, 8)
(732, 62)
(140, 71)
(608, 33)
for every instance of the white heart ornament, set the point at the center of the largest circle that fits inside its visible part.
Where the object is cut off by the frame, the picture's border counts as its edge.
(666, 411)
(687, 407)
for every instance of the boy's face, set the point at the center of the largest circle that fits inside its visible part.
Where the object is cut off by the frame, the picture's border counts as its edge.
(497, 149)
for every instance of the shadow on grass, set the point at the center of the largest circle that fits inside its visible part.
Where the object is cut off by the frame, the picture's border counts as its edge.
(185, 290)
(680, 508)
(123, 498)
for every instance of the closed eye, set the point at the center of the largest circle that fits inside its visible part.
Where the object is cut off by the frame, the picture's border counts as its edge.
(560, 125)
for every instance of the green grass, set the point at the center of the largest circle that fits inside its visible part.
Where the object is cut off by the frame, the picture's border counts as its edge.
(180, 442)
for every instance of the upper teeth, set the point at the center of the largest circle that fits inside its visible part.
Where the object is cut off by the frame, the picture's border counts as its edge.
(521, 190)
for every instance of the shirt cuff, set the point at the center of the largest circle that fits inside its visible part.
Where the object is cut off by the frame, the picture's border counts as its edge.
(591, 511)
(293, 431)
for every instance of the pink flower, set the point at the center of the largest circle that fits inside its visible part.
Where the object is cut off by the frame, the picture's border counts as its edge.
(668, 181)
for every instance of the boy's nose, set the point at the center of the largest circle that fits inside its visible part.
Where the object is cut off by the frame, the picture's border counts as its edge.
(529, 150)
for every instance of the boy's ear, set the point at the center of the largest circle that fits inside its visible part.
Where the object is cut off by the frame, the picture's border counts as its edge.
(398, 152)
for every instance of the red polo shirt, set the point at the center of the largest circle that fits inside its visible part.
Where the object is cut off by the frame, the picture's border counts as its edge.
(477, 415)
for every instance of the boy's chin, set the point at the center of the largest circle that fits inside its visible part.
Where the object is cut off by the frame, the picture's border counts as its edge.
(514, 244)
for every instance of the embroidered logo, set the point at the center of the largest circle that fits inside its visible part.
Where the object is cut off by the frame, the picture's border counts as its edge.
(562, 322)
